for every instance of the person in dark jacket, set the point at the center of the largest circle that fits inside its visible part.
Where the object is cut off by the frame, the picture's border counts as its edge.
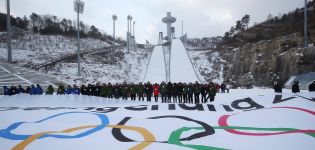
(203, 92)
(174, 92)
(132, 92)
(50, 90)
(6, 91)
(296, 87)
(61, 90)
(20, 89)
(89, 90)
(140, 91)
(104, 90)
(277, 87)
(13, 90)
(190, 92)
(212, 90)
(311, 87)
(75, 90)
(124, 91)
(68, 90)
(180, 92)
(110, 90)
(33, 90)
(39, 90)
(163, 91)
(169, 88)
(223, 88)
(97, 90)
(185, 92)
(116, 91)
(196, 92)
(83, 89)
(148, 90)
(28, 90)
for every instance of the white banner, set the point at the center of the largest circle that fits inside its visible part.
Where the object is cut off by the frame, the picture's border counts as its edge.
(81, 122)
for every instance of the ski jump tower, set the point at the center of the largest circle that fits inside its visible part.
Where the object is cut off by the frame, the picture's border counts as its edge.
(170, 62)
(169, 19)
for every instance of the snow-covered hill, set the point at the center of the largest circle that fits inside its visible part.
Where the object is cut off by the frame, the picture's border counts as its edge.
(130, 68)
(33, 50)
(209, 64)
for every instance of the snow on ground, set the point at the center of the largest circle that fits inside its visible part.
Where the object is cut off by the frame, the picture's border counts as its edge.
(180, 65)
(242, 120)
(156, 68)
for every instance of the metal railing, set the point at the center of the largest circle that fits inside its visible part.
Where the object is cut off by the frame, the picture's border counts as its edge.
(74, 55)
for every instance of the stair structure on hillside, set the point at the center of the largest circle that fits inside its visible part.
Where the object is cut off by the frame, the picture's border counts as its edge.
(11, 74)
(74, 56)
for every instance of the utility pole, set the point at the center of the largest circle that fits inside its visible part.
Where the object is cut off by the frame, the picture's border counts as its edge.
(130, 25)
(305, 25)
(128, 18)
(133, 32)
(9, 33)
(78, 8)
(114, 48)
(182, 28)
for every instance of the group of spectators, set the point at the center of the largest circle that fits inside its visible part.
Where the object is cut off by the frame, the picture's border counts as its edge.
(169, 92)
(13, 90)
(295, 87)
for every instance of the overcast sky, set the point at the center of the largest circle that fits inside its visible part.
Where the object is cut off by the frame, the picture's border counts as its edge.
(201, 17)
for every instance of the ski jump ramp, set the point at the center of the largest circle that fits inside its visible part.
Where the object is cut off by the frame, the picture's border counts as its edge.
(156, 69)
(180, 65)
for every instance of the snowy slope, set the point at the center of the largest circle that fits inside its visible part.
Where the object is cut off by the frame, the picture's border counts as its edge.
(258, 120)
(208, 64)
(156, 69)
(181, 67)
(130, 69)
(34, 49)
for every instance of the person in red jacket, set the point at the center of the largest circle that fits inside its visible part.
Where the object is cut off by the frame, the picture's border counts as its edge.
(156, 92)
(217, 87)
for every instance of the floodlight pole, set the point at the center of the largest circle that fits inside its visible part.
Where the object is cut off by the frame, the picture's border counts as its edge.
(128, 33)
(133, 32)
(78, 8)
(130, 25)
(114, 48)
(78, 43)
(305, 25)
(9, 33)
(182, 28)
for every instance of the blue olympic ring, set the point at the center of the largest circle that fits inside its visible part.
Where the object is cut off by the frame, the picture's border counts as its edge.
(6, 133)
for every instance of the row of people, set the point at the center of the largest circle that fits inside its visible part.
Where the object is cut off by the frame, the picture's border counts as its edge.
(295, 87)
(169, 92)
(13, 90)
(178, 92)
